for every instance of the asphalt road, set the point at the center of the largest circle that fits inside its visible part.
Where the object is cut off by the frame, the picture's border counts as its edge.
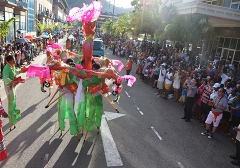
(149, 135)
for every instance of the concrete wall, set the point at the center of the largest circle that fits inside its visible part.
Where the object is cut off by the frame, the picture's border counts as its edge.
(228, 32)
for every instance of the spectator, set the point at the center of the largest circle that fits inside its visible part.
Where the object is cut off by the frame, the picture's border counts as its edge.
(161, 79)
(192, 90)
(128, 66)
(168, 82)
(219, 104)
(176, 84)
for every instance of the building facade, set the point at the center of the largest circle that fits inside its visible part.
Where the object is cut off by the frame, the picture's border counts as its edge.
(14, 8)
(225, 18)
(60, 9)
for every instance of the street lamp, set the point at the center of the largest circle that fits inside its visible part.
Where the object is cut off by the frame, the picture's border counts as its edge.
(132, 28)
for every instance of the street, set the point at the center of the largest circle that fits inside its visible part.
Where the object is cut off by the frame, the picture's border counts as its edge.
(147, 133)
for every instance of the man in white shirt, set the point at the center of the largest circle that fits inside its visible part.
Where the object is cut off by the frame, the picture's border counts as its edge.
(161, 79)
(168, 82)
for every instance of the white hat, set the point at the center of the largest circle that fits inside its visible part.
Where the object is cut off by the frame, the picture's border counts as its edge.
(130, 56)
(216, 85)
(154, 64)
(164, 64)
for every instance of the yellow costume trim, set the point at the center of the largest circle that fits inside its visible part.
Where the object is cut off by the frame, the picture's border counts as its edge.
(89, 37)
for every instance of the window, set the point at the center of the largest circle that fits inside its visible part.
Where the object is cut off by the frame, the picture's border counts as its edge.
(227, 3)
(234, 6)
(221, 41)
(233, 43)
(238, 45)
(226, 42)
(225, 54)
(237, 56)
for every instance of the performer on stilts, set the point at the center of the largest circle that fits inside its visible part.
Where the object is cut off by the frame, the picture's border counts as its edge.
(10, 80)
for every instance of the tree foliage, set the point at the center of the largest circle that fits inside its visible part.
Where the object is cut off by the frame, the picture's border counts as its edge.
(40, 26)
(5, 27)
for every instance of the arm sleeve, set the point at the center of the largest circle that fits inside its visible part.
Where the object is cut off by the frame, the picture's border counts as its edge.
(6, 77)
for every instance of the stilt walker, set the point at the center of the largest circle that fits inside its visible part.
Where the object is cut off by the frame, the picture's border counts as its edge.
(10, 80)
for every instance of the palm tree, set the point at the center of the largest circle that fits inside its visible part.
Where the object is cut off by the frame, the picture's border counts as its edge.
(40, 27)
(5, 27)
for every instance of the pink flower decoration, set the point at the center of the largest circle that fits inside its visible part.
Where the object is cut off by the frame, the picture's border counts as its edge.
(88, 13)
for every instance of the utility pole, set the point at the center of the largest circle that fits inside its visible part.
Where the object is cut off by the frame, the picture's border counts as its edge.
(113, 10)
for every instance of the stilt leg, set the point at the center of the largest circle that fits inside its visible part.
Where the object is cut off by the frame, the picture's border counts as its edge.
(10, 127)
(78, 135)
(98, 129)
(85, 136)
(82, 130)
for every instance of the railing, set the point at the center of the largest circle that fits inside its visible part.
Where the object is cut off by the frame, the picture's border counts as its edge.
(208, 9)
(18, 3)
(21, 3)
(13, 1)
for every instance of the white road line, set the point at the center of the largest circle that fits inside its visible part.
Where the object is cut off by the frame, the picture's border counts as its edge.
(139, 110)
(156, 133)
(111, 153)
(127, 93)
(180, 164)
(52, 129)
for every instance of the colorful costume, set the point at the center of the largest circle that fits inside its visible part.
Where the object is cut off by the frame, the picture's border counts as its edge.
(3, 152)
(9, 75)
(90, 110)
(66, 106)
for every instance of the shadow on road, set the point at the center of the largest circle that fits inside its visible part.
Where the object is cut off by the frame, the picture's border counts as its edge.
(26, 138)
(46, 151)
(24, 114)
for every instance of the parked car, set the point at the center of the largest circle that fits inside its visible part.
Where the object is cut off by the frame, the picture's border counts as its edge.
(98, 47)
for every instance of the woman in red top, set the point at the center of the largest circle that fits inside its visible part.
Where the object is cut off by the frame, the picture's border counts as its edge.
(128, 65)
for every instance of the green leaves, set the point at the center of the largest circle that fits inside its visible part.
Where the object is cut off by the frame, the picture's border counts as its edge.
(5, 27)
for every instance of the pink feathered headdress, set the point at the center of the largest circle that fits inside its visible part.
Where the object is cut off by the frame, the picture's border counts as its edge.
(131, 79)
(88, 13)
(119, 64)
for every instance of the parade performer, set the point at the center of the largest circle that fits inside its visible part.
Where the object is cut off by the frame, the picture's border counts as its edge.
(67, 87)
(3, 152)
(87, 46)
(10, 80)
(90, 110)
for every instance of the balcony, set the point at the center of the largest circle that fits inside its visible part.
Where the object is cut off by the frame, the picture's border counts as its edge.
(23, 4)
(60, 3)
(219, 16)
(14, 4)
(42, 14)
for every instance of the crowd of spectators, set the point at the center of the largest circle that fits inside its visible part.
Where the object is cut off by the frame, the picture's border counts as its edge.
(194, 83)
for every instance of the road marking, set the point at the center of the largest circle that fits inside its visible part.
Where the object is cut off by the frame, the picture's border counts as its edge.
(180, 165)
(52, 129)
(156, 133)
(139, 110)
(110, 149)
(127, 93)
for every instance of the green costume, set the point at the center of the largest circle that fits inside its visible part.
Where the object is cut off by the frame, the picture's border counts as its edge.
(66, 106)
(9, 73)
(91, 108)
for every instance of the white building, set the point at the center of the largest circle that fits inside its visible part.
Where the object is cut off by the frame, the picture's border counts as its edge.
(60, 9)
(225, 17)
